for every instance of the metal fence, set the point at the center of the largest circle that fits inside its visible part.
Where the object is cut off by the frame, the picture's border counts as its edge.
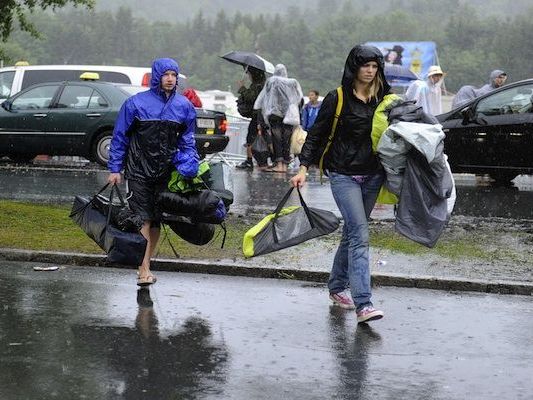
(235, 151)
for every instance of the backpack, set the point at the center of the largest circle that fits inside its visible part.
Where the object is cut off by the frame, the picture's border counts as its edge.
(246, 109)
(245, 102)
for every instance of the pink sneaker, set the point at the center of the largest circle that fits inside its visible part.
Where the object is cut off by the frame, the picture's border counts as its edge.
(342, 300)
(368, 313)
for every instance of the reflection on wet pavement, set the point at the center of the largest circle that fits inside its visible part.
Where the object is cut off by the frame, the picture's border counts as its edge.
(89, 333)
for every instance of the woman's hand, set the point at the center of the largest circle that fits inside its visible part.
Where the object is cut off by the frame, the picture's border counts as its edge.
(298, 180)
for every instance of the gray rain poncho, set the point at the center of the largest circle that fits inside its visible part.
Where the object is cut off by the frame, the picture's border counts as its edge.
(469, 92)
(489, 87)
(281, 96)
(427, 95)
(464, 95)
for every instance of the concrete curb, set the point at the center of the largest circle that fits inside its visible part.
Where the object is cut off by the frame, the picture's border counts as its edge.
(235, 269)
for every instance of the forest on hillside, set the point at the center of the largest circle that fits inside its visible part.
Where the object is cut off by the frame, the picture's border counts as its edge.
(181, 10)
(311, 42)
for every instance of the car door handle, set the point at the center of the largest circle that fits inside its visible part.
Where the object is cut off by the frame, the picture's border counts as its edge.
(93, 115)
(40, 115)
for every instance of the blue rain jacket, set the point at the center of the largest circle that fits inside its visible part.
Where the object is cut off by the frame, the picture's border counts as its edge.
(154, 134)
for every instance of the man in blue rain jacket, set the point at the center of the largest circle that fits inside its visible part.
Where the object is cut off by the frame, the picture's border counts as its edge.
(154, 134)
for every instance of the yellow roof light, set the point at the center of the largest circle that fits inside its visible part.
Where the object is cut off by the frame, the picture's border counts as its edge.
(21, 64)
(90, 76)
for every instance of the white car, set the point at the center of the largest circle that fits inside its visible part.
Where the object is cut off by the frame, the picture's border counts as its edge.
(19, 77)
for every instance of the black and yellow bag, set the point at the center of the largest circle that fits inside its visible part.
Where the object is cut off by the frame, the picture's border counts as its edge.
(288, 226)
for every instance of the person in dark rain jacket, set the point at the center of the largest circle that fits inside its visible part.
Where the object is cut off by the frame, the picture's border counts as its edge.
(354, 171)
(245, 104)
(154, 134)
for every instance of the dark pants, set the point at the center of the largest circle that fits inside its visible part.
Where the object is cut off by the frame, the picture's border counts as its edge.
(281, 139)
(252, 130)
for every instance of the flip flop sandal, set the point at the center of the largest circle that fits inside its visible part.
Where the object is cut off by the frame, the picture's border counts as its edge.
(146, 280)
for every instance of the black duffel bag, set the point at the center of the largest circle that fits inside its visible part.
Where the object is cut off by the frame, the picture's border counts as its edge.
(198, 233)
(124, 248)
(203, 206)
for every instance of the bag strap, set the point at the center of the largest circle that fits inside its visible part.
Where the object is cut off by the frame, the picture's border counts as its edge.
(280, 207)
(282, 202)
(169, 242)
(302, 202)
(114, 189)
(77, 211)
(109, 208)
(119, 195)
(340, 101)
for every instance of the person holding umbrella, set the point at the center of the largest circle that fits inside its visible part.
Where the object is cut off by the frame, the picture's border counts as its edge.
(245, 106)
(341, 139)
(255, 67)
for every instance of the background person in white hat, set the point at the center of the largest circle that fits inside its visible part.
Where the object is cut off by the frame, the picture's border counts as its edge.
(428, 93)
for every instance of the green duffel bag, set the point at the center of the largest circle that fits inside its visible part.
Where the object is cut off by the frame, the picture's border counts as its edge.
(288, 226)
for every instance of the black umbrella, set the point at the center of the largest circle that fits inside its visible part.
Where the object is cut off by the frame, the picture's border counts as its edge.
(395, 72)
(246, 58)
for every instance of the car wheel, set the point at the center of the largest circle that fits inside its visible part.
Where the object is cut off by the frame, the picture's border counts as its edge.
(100, 149)
(22, 158)
(502, 177)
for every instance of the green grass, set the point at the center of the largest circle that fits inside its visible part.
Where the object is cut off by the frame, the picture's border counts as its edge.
(48, 227)
(446, 246)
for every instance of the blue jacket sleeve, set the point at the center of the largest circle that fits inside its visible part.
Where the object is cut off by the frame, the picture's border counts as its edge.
(186, 158)
(120, 141)
(304, 117)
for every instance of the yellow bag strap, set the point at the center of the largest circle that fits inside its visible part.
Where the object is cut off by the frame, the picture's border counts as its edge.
(333, 128)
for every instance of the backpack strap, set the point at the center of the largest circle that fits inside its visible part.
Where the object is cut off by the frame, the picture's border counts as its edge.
(333, 129)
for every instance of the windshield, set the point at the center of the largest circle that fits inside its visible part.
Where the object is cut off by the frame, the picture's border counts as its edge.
(6, 82)
(515, 100)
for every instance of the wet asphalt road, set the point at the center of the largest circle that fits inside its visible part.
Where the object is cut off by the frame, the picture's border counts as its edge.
(262, 191)
(86, 333)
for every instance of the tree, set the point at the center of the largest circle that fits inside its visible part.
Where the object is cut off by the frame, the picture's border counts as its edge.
(17, 9)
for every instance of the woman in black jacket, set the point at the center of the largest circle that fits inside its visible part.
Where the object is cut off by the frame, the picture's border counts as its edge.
(354, 172)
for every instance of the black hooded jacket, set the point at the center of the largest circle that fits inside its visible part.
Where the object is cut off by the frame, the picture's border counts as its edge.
(351, 150)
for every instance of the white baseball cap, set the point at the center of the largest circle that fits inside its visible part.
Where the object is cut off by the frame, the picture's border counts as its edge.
(434, 70)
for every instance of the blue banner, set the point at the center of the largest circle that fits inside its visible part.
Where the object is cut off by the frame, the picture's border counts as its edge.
(417, 56)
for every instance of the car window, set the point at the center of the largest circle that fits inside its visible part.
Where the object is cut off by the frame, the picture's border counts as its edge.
(97, 100)
(516, 100)
(75, 97)
(6, 82)
(117, 77)
(36, 98)
(130, 90)
(32, 77)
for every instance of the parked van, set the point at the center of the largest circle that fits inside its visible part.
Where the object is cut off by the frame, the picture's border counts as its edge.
(19, 77)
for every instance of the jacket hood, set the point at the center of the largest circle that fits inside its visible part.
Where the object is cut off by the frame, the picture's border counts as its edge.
(358, 56)
(280, 70)
(159, 67)
(494, 74)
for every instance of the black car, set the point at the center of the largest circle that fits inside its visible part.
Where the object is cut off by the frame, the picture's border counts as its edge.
(77, 118)
(492, 134)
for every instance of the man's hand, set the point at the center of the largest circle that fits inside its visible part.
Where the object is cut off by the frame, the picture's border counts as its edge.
(114, 178)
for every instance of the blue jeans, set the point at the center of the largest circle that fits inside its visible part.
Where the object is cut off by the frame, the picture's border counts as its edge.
(355, 200)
